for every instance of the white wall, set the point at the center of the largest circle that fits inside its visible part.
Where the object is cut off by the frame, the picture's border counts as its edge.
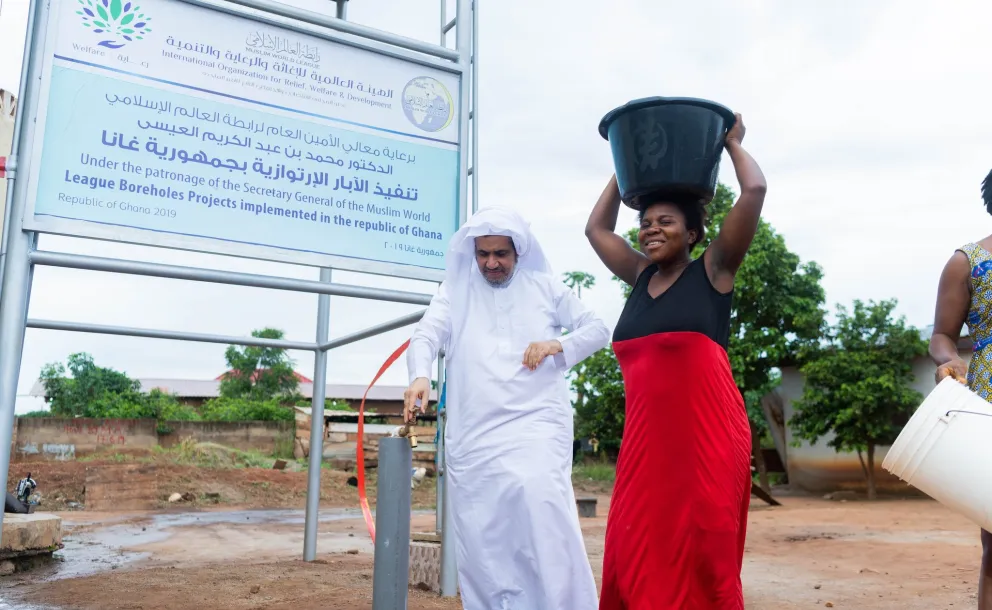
(818, 467)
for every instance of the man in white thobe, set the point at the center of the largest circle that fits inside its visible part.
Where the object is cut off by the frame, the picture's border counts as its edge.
(499, 316)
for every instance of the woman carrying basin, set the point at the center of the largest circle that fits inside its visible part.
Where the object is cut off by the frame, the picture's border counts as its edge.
(677, 521)
(965, 293)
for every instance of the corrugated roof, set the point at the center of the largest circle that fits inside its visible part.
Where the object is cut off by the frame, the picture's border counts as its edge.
(210, 388)
(254, 376)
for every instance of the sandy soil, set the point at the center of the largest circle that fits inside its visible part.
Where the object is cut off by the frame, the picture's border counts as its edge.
(63, 483)
(905, 554)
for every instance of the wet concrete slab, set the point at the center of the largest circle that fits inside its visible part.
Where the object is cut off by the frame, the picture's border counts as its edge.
(25, 535)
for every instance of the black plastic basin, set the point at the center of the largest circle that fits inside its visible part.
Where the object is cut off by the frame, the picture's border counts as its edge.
(666, 147)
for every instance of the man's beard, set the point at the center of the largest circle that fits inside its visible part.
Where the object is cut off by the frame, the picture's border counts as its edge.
(501, 282)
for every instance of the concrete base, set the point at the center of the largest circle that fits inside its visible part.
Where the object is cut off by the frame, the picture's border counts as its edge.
(425, 565)
(586, 506)
(28, 534)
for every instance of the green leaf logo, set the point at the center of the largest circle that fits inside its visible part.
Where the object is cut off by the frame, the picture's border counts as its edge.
(119, 21)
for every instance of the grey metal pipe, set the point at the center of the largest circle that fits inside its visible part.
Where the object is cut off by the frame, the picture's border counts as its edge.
(463, 42)
(475, 106)
(449, 563)
(15, 293)
(317, 424)
(292, 12)
(444, 20)
(177, 272)
(342, 9)
(391, 566)
(372, 331)
(126, 331)
(439, 450)
(463, 35)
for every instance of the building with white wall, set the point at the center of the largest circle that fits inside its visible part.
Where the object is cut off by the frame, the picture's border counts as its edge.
(818, 467)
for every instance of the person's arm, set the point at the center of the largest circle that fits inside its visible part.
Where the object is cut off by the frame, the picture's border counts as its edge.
(429, 337)
(728, 249)
(953, 299)
(587, 334)
(625, 262)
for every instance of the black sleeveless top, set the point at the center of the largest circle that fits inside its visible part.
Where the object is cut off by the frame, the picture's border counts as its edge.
(691, 304)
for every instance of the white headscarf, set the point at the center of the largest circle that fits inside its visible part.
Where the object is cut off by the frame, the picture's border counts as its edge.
(462, 274)
(494, 220)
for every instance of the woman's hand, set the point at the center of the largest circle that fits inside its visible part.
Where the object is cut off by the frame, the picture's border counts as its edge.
(736, 133)
(537, 352)
(957, 368)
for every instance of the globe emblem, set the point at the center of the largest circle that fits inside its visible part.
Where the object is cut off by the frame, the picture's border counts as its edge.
(427, 104)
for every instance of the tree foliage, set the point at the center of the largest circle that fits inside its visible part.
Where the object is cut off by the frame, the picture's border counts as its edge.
(577, 280)
(260, 373)
(858, 385)
(776, 318)
(80, 388)
(599, 408)
(243, 409)
(94, 391)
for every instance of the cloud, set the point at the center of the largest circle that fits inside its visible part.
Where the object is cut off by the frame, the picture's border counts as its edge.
(868, 119)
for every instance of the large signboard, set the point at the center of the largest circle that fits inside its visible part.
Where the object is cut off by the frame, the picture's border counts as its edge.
(169, 124)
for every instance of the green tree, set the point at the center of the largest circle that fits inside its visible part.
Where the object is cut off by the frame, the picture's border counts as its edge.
(260, 373)
(246, 409)
(99, 392)
(776, 318)
(599, 407)
(858, 385)
(87, 384)
(577, 280)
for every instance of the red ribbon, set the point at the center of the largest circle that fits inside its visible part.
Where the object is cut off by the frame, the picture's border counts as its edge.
(360, 451)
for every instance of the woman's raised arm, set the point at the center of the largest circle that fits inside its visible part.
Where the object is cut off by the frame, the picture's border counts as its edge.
(729, 247)
(625, 262)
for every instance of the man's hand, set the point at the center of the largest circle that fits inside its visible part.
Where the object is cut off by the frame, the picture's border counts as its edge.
(957, 368)
(537, 352)
(420, 390)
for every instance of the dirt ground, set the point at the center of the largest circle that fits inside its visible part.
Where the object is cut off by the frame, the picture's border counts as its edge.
(62, 484)
(905, 554)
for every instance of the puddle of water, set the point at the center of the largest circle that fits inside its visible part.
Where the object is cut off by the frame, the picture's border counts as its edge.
(9, 600)
(102, 549)
(5, 606)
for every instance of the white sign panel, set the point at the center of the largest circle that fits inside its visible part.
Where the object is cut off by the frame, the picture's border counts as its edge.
(170, 124)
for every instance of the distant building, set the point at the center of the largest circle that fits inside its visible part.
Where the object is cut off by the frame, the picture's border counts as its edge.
(382, 399)
(817, 467)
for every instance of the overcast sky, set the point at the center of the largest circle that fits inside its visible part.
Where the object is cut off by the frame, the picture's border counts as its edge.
(869, 120)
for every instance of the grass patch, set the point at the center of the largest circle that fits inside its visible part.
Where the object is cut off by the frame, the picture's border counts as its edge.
(209, 455)
(598, 471)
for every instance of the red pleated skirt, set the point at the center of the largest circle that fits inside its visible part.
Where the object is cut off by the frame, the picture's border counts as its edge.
(678, 517)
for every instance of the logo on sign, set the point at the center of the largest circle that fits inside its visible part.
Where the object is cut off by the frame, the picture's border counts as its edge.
(118, 22)
(428, 104)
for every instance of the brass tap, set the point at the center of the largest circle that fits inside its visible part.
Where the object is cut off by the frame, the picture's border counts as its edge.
(406, 432)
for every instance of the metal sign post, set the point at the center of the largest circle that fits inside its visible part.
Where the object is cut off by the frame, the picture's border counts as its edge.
(247, 128)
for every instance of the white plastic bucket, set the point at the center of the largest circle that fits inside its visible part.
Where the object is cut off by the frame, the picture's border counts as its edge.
(945, 451)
